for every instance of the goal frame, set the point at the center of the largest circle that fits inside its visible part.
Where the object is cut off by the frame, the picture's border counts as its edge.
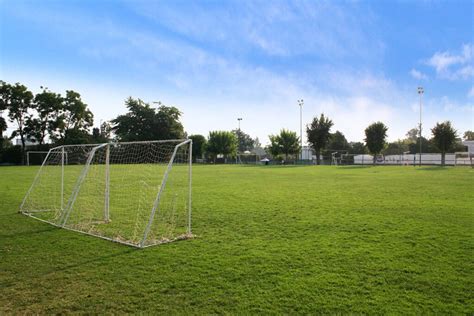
(69, 206)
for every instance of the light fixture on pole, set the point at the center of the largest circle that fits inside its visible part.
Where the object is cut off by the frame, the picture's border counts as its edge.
(420, 93)
(300, 103)
(239, 119)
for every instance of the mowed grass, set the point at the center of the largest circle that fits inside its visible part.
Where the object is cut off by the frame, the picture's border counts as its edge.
(269, 240)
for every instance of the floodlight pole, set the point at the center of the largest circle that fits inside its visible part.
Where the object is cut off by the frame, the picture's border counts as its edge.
(420, 93)
(300, 103)
(238, 136)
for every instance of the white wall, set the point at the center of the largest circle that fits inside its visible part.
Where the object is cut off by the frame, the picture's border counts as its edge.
(409, 159)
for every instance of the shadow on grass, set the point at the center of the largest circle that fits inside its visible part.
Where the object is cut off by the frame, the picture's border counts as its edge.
(95, 260)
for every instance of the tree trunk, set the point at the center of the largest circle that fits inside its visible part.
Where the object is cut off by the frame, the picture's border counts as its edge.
(22, 148)
(443, 157)
(318, 159)
(375, 157)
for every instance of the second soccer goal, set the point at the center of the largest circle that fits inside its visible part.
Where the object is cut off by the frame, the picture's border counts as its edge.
(136, 193)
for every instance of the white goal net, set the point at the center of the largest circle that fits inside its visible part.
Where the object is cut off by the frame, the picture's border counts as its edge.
(136, 193)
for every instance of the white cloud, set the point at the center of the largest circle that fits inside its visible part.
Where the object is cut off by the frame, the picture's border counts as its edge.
(470, 94)
(454, 66)
(418, 75)
(274, 28)
(213, 89)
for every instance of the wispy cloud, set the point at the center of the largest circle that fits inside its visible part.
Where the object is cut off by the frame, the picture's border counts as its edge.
(418, 74)
(454, 66)
(470, 93)
(242, 59)
(274, 28)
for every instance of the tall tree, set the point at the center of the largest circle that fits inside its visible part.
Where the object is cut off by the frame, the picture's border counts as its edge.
(3, 126)
(17, 100)
(101, 134)
(257, 148)
(199, 144)
(357, 148)
(3, 107)
(468, 135)
(444, 137)
(167, 122)
(221, 143)
(142, 122)
(375, 135)
(245, 142)
(426, 144)
(396, 148)
(287, 143)
(319, 133)
(413, 135)
(75, 118)
(48, 106)
(337, 141)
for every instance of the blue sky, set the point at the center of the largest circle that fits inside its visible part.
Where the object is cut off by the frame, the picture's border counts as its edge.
(356, 61)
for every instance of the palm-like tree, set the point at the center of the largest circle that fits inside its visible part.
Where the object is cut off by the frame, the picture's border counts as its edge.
(444, 137)
(319, 134)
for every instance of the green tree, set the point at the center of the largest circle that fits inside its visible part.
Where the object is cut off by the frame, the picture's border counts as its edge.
(413, 135)
(444, 137)
(199, 145)
(396, 148)
(337, 141)
(17, 100)
(101, 134)
(3, 140)
(426, 145)
(245, 142)
(3, 126)
(74, 120)
(142, 122)
(319, 134)
(286, 143)
(375, 135)
(48, 106)
(258, 149)
(221, 143)
(167, 122)
(468, 135)
(357, 148)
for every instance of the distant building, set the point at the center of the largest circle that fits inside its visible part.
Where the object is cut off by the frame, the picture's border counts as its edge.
(470, 146)
(307, 153)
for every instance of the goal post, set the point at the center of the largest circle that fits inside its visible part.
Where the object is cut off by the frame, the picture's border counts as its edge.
(463, 158)
(135, 193)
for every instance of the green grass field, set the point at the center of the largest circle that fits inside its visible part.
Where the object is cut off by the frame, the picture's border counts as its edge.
(269, 240)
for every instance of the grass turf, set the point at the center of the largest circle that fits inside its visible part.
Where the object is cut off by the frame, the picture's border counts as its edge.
(270, 240)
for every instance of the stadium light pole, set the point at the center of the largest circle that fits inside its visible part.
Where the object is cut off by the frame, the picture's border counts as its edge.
(239, 119)
(420, 93)
(300, 103)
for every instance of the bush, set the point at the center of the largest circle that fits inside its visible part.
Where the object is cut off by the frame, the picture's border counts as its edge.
(11, 155)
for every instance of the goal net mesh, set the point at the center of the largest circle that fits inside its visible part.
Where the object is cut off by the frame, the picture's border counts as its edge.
(136, 193)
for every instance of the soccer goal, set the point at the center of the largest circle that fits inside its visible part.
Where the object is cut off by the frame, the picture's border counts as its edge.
(135, 193)
(463, 158)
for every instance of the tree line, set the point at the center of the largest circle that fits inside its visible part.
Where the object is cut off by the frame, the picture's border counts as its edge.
(49, 119)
